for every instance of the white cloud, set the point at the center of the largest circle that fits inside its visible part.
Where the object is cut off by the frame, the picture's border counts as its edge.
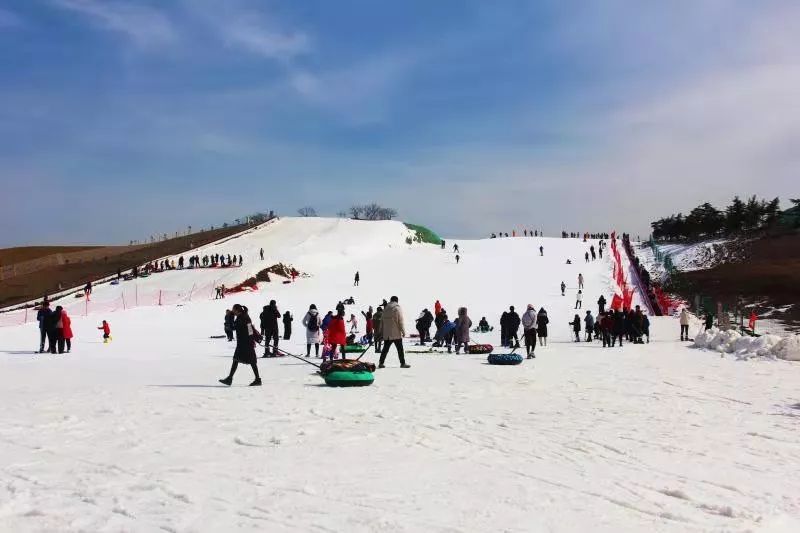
(256, 37)
(145, 26)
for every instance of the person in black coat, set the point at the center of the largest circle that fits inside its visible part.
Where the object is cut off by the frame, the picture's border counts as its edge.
(287, 325)
(43, 317)
(513, 326)
(245, 345)
(601, 305)
(541, 326)
(504, 329)
(620, 327)
(269, 327)
(229, 318)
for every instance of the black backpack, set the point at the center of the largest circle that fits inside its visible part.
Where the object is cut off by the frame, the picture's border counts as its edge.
(313, 323)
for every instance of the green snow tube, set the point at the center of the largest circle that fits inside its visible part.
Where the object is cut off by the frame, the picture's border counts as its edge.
(343, 378)
(354, 348)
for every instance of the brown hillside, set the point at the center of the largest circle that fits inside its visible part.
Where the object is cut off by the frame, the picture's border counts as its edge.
(34, 285)
(9, 256)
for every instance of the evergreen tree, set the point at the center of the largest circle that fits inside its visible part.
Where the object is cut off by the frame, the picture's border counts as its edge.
(772, 211)
(734, 216)
(753, 213)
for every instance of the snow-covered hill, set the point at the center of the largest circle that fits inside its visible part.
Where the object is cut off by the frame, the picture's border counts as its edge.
(136, 435)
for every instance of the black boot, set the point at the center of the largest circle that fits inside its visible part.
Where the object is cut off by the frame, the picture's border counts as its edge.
(227, 381)
(256, 383)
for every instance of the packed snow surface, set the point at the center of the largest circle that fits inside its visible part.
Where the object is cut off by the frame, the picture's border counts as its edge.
(137, 435)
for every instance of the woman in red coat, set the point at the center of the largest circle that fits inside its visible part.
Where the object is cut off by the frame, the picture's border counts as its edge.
(336, 333)
(66, 322)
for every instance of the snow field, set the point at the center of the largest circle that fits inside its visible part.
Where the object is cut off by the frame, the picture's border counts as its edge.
(135, 435)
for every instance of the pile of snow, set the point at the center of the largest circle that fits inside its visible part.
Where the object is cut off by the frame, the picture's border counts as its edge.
(788, 348)
(745, 346)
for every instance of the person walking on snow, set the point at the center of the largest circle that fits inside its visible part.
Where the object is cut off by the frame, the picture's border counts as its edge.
(684, 320)
(529, 329)
(353, 324)
(586, 256)
(455, 248)
(576, 327)
(106, 332)
(579, 299)
(246, 338)
(588, 322)
(269, 328)
(462, 330)
(458, 258)
(437, 308)
(262, 254)
(356, 279)
(541, 251)
(563, 288)
(311, 322)
(287, 325)
(393, 332)
(601, 305)
(580, 281)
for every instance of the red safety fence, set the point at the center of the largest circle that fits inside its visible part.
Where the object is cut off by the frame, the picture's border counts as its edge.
(130, 297)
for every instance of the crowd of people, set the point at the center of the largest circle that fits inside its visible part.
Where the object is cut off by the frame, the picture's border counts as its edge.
(648, 286)
(612, 326)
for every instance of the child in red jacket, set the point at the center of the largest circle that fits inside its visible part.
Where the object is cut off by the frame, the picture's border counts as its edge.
(106, 332)
(336, 334)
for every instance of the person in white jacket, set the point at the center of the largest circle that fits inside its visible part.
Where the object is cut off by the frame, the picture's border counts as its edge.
(684, 324)
(529, 330)
(312, 323)
(579, 299)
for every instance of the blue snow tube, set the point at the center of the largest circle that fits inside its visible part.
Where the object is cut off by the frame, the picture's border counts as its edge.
(504, 359)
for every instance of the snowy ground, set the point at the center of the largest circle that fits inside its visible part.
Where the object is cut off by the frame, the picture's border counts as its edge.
(137, 436)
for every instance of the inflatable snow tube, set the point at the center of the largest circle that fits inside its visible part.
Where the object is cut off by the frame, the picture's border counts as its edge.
(354, 348)
(478, 349)
(349, 378)
(345, 365)
(504, 359)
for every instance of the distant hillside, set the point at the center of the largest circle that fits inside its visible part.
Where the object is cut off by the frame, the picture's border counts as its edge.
(10, 256)
(93, 263)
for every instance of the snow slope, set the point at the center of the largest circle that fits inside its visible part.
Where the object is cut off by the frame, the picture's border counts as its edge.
(137, 436)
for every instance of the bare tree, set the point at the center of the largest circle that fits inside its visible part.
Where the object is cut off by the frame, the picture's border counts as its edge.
(372, 211)
(307, 211)
(356, 211)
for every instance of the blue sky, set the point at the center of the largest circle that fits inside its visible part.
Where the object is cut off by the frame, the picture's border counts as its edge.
(121, 119)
